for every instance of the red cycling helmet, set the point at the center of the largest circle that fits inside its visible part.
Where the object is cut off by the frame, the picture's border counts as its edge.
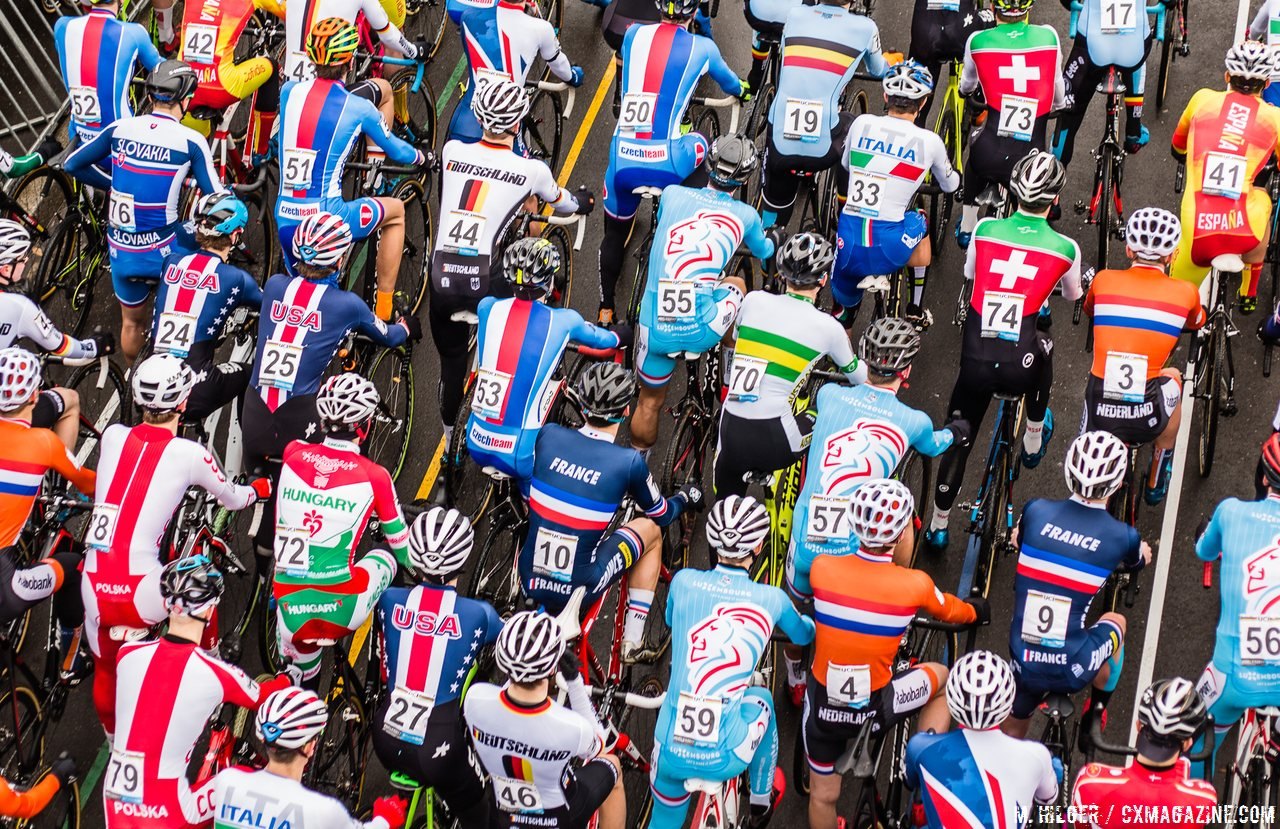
(1271, 460)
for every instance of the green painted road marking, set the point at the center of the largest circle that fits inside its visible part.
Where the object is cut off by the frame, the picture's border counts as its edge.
(95, 772)
(447, 94)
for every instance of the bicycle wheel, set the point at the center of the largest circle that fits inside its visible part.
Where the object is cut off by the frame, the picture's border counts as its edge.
(21, 738)
(338, 767)
(428, 20)
(542, 129)
(63, 812)
(62, 279)
(941, 204)
(915, 470)
(639, 725)
(466, 487)
(417, 124)
(1211, 384)
(562, 293)
(994, 531)
(684, 464)
(419, 231)
(707, 123)
(495, 579)
(44, 198)
(1166, 54)
(104, 400)
(388, 442)
(638, 283)
(1106, 204)
(273, 660)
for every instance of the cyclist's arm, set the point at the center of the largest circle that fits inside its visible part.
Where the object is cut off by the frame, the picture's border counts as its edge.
(272, 7)
(1047, 789)
(915, 747)
(944, 174)
(761, 246)
(644, 491)
(492, 623)
(592, 336)
(387, 30)
(1183, 129)
(148, 54)
(202, 168)
(375, 329)
(1059, 81)
(798, 627)
(386, 506)
(840, 350)
(1196, 317)
(942, 606)
(927, 440)
(62, 462)
(560, 200)
(37, 327)
(1261, 22)
(873, 58)
(239, 689)
(551, 52)
(11, 167)
(80, 164)
(969, 74)
(1072, 287)
(250, 292)
(1209, 545)
(371, 123)
(719, 71)
(30, 803)
(204, 472)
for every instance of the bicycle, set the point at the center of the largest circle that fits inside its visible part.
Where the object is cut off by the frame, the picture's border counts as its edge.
(1123, 505)
(342, 752)
(991, 518)
(542, 128)
(821, 206)
(361, 271)
(952, 124)
(1174, 43)
(1214, 377)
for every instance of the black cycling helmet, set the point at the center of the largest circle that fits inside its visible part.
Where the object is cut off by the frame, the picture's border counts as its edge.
(677, 9)
(189, 585)
(732, 161)
(531, 266)
(604, 391)
(172, 80)
(805, 259)
(888, 346)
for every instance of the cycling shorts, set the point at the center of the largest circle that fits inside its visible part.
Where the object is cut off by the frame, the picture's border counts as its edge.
(1228, 696)
(585, 791)
(137, 259)
(827, 729)
(508, 449)
(752, 720)
(1221, 226)
(634, 163)
(231, 83)
(49, 407)
(652, 355)
(612, 558)
(167, 804)
(991, 156)
(767, 16)
(309, 614)
(362, 215)
(1134, 423)
(868, 247)
(1036, 680)
(445, 761)
(765, 445)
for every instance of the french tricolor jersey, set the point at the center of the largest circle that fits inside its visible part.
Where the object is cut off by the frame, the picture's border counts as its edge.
(1019, 61)
(97, 53)
(1066, 551)
(195, 294)
(888, 158)
(979, 779)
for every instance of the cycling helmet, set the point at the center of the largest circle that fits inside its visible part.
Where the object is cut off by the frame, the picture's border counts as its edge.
(440, 542)
(332, 42)
(1037, 179)
(604, 391)
(737, 526)
(882, 510)
(1271, 460)
(1096, 464)
(500, 105)
(322, 240)
(1152, 233)
(529, 646)
(980, 690)
(1171, 711)
(19, 378)
(191, 585)
(15, 241)
(221, 214)
(732, 160)
(161, 382)
(1013, 8)
(347, 400)
(909, 79)
(805, 260)
(677, 9)
(889, 345)
(531, 266)
(290, 718)
(1250, 60)
(172, 80)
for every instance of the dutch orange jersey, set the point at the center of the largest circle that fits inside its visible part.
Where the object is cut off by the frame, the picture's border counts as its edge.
(27, 455)
(28, 803)
(1140, 311)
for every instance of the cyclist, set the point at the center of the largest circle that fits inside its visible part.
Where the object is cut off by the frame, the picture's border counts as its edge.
(887, 158)
(1138, 315)
(939, 31)
(715, 724)
(526, 741)
(955, 768)
(1262, 29)
(579, 482)
(429, 638)
(1017, 67)
(152, 154)
(853, 682)
(27, 803)
(779, 338)
(383, 17)
(1171, 715)
(143, 474)
(193, 298)
(661, 66)
(689, 304)
(320, 121)
(822, 47)
(1226, 138)
(328, 494)
(1066, 552)
(166, 691)
(482, 187)
(519, 345)
(289, 723)
(1013, 265)
(18, 166)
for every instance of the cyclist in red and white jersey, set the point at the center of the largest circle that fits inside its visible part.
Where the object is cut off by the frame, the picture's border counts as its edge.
(167, 689)
(143, 474)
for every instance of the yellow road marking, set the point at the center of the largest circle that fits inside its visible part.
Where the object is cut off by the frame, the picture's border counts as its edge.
(357, 640)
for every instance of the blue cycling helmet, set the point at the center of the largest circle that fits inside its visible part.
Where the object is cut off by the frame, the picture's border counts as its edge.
(221, 214)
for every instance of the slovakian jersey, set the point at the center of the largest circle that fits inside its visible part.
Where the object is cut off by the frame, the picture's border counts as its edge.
(195, 294)
(1141, 797)
(888, 159)
(29, 454)
(98, 54)
(1140, 312)
(1019, 68)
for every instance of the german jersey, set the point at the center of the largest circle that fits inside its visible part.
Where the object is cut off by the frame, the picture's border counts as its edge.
(888, 159)
(383, 17)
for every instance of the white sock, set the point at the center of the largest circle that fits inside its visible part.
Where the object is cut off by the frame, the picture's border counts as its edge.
(638, 603)
(968, 217)
(164, 24)
(448, 435)
(1032, 437)
(917, 284)
(795, 670)
(939, 519)
(761, 800)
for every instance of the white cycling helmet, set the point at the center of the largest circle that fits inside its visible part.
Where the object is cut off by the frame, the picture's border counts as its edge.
(1152, 233)
(908, 79)
(1172, 709)
(290, 718)
(1037, 178)
(882, 509)
(19, 378)
(980, 690)
(1096, 464)
(347, 400)
(161, 382)
(15, 241)
(440, 542)
(737, 526)
(1250, 60)
(500, 105)
(529, 647)
(322, 240)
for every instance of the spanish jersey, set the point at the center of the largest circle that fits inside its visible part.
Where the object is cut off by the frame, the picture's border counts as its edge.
(22, 319)
(193, 298)
(1138, 315)
(259, 798)
(384, 18)
(210, 32)
(1019, 68)
(27, 456)
(1106, 797)
(888, 159)
(1116, 32)
(97, 54)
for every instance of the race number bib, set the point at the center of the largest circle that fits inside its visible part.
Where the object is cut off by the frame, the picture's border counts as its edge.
(1224, 175)
(486, 76)
(1119, 16)
(491, 393)
(1125, 377)
(866, 193)
(175, 332)
(300, 67)
(297, 168)
(553, 554)
(198, 42)
(123, 780)
(84, 104)
(677, 300)
(102, 526)
(1001, 315)
(1260, 640)
(517, 795)
(1044, 619)
(802, 120)
(120, 211)
(698, 720)
(293, 551)
(848, 685)
(279, 364)
(829, 518)
(745, 375)
(407, 715)
(1017, 117)
(463, 231)
(943, 5)
(637, 111)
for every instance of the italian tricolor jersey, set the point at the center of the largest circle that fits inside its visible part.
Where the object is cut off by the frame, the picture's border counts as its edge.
(1019, 61)
(887, 159)
(1021, 257)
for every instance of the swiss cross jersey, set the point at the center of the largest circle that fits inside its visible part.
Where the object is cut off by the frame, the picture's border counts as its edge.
(302, 324)
(979, 779)
(211, 30)
(888, 159)
(1066, 551)
(822, 47)
(259, 798)
(1140, 797)
(384, 17)
(1140, 311)
(195, 294)
(1227, 137)
(22, 319)
(1116, 31)
(98, 55)
(27, 455)
(1019, 68)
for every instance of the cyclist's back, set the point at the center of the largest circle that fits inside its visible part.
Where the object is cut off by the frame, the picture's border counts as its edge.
(195, 294)
(941, 28)
(98, 53)
(1141, 796)
(28, 454)
(384, 18)
(244, 797)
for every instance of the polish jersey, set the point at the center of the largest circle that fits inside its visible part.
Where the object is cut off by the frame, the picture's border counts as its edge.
(193, 298)
(1139, 313)
(1116, 32)
(384, 18)
(27, 456)
(1019, 68)
(21, 318)
(972, 779)
(210, 32)
(888, 159)
(302, 325)
(259, 798)
(98, 54)
(1106, 797)
(861, 433)
(822, 47)
(328, 493)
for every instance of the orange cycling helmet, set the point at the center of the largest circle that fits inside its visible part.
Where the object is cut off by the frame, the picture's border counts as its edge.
(332, 42)
(1271, 460)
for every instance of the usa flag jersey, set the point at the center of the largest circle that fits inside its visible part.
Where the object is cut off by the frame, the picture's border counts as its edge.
(97, 54)
(195, 294)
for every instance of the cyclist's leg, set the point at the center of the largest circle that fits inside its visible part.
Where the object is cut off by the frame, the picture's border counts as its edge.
(977, 175)
(1166, 401)
(445, 761)
(1258, 212)
(655, 372)
(223, 383)
(164, 25)
(378, 92)
(390, 252)
(1225, 703)
(451, 340)
(970, 399)
(670, 800)
(59, 409)
(256, 76)
(1104, 647)
(760, 746)
(764, 445)
(599, 792)
(620, 206)
(637, 547)
(823, 745)
(1081, 76)
(1135, 84)
(917, 226)
(1037, 397)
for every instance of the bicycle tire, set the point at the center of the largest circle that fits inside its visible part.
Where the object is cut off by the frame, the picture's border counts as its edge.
(63, 811)
(391, 372)
(466, 487)
(419, 127)
(47, 196)
(428, 19)
(99, 407)
(342, 755)
(684, 464)
(273, 661)
(993, 514)
(1106, 203)
(1166, 55)
(22, 741)
(638, 283)
(542, 129)
(1207, 412)
(639, 724)
(62, 282)
(495, 579)
(562, 294)
(258, 250)
(419, 233)
(707, 124)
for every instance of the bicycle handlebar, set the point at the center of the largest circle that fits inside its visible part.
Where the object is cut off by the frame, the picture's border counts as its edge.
(1100, 744)
(393, 169)
(561, 220)
(594, 353)
(730, 102)
(570, 93)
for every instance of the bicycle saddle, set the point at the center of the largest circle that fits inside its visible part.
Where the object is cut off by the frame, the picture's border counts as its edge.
(1111, 83)
(709, 787)
(1059, 705)
(205, 113)
(493, 472)
(124, 633)
(404, 782)
(1227, 263)
(648, 192)
(469, 317)
(991, 196)
(875, 284)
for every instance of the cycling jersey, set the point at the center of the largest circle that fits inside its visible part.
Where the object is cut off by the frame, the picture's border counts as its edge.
(27, 803)
(193, 298)
(520, 344)
(888, 159)
(11, 167)
(940, 29)
(969, 779)
(1266, 27)
(1019, 68)
(97, 54)
(1141, 797)
(261, 798)
(1116, 33)
(20, 318)
(384, 18)
(210, 32)
(27, 456)
(1138, 315)
(456, 8)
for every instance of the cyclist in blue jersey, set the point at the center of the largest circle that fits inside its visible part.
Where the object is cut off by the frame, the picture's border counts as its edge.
(1066, 552)
(580, 479)
(429, 638)
(520, 343)
(195, 294)
(650, 147)
(714, 724)
(689, 304)
(152, 155)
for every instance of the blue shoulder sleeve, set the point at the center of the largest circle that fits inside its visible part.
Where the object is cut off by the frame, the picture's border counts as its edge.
(1209, 547)
(148, 55)
(718, 69)
(399, 151)
(80, 164)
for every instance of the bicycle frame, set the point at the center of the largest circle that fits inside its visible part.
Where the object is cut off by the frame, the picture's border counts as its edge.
(991, 511)
(1253, 774)
(952, 115)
